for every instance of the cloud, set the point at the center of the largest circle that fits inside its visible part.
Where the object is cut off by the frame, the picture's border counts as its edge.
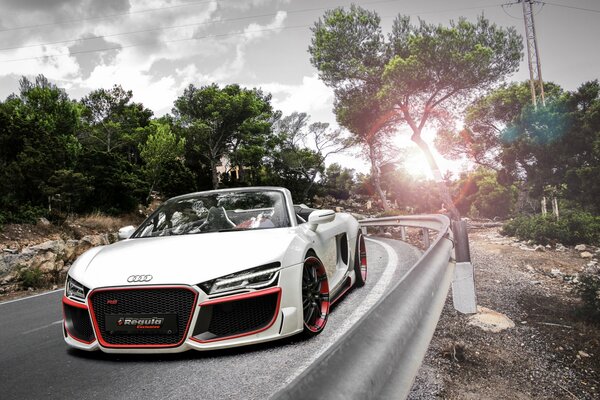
(311, 96)
(248, 4)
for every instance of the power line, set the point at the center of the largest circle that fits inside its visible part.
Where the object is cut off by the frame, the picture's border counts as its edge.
(572, 7)
(154, 43)
(179, 26)
(181, 5)
(70, 53)
(189, 4)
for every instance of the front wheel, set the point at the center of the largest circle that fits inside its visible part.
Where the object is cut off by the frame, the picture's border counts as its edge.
(315, 296)
(360, 261)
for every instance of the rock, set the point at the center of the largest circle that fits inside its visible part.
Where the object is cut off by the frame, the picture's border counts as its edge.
(70, 250)
(586, 254)
(43, 221)
(536, 282)
(11, 277)
(555, 272)
(583, 354)
(539, 248)
(89, 241)
(560, 248)
(580, 247)
(523, 247)
(387, 235)
(10, 251)
(55, 246)
(548, 246)
(529, 268)
(490, 320)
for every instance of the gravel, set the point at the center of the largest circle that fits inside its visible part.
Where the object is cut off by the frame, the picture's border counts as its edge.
(539, 358)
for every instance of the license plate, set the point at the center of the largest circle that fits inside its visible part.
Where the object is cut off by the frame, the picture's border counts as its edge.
(146, 324)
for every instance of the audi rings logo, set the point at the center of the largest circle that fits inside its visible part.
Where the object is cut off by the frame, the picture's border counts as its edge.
(139, 278)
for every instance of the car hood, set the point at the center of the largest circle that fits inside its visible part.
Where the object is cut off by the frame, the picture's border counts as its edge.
(186, 259)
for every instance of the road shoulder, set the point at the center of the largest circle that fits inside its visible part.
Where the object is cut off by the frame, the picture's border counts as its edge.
(551, 352)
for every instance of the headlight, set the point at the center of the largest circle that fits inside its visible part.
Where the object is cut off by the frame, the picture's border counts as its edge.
(254, 278)
(75, 289)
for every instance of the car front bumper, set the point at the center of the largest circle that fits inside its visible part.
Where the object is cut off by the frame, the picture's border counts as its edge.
(286, 319)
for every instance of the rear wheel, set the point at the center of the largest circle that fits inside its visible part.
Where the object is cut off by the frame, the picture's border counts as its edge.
(315, 296)
(360, 261)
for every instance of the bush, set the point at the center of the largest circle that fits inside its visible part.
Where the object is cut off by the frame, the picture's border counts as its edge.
(573, 228)
(589, 291)
(31, 278)
(25, 214)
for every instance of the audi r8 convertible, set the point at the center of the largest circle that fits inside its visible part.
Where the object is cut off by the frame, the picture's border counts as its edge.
(214, 269)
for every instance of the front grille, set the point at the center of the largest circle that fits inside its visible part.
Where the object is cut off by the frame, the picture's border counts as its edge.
(237, 317)
(78, 323)
(179, 301)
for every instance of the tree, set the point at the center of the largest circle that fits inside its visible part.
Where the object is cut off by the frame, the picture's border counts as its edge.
(160, 148)
(218, 121)
(551, 146)
(372, 123)
(495, 128)
(481, 195)
(37, 138)
(425, 72)
(112, 122)
(338, 181)
(304, 148)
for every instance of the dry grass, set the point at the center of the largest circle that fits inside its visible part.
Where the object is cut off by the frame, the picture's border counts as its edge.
(102, 223)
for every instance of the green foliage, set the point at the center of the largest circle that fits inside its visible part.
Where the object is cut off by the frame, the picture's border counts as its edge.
(112, 122)
(118, 186)
(554, 145)
(479, 194)
(37, 138)
(68, 190)
(31, 278)
(572, 228)
(338, 181)
(162, 147)
(420, 75)
(175, 179)
(216, 122)
(588, 289)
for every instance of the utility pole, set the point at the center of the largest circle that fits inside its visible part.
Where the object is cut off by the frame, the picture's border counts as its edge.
(533, 55)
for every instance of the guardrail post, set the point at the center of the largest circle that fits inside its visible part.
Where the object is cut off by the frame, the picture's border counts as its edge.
(426, 241)
(363, 229)
(403, 233)
(463, 285)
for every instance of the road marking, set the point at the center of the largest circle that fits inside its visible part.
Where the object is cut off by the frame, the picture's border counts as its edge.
(376, 292)
(31, 297)
(43, 327)
(374, 295)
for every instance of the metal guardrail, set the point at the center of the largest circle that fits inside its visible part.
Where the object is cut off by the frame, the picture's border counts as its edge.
(379, 357)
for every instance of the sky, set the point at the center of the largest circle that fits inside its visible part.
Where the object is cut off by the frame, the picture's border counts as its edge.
(158, 47)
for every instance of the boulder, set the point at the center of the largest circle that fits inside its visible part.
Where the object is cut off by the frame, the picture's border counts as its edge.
(586, 254)
(490, 320)
(580, 247)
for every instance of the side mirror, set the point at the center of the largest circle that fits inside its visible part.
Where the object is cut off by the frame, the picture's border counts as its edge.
(320, 217)
(126, 232)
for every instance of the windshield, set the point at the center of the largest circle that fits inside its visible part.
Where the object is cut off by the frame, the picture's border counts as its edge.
(217, 212)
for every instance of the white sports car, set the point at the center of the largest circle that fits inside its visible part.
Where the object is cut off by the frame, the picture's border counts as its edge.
(212, 270)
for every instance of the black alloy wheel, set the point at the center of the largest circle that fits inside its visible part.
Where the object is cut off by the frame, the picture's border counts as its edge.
(315, 296)
(360, 261)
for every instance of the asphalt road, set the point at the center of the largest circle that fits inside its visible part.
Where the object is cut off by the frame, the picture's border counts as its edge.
(35, 362)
